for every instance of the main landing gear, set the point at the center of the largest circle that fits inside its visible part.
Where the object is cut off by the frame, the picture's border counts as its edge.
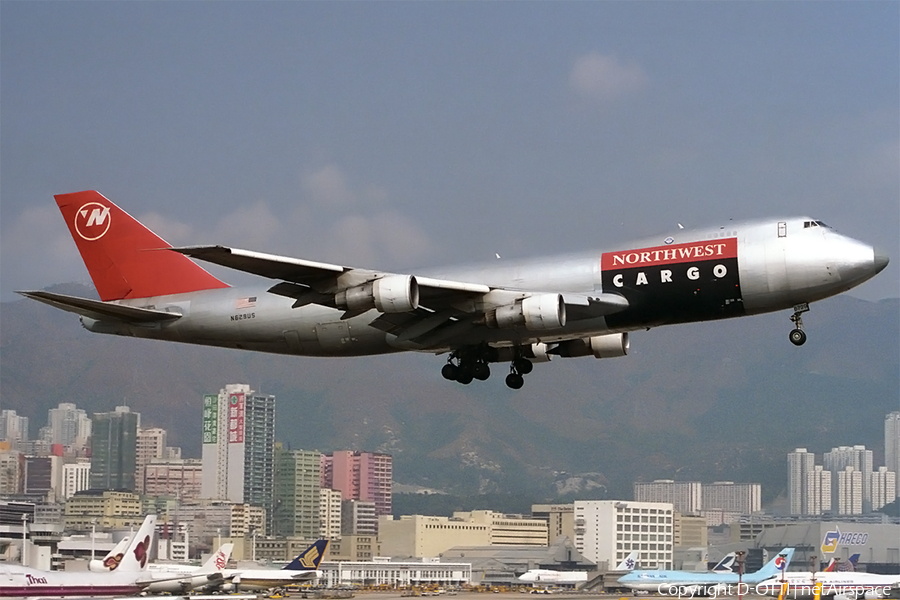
(518, 367)
(468, 364)
(797, 335)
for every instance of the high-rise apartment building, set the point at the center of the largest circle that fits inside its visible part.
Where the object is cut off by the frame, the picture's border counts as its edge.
(860, 459)
(114, 449)
(884, 487)
(818, 491)
(13, 427)
(180, 478)
(76, 477)
(297, 489)
(329, 514)
(12, 470)
(360, 476)
(685, 496)
(743, 498)
(68, 425)
(358, 518)
(799, 464)
(606, 531)
(238, 447)
(151, 444)
(892, 445)
(849, 492)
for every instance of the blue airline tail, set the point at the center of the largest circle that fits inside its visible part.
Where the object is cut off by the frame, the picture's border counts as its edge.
(726, 565)
(309, 559)
(771, 569)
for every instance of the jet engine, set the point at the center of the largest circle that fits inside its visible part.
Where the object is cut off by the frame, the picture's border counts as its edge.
(391, 294)
(536, 313)
(611, 345)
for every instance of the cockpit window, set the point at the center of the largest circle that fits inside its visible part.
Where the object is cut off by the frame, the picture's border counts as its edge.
(808, 224)
(821, 224)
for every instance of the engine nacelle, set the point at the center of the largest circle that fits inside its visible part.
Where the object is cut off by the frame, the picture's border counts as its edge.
(612, 345)
(391, 294)
(536, 313)
(537, 353)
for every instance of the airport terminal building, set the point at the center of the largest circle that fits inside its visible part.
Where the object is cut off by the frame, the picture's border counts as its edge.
(878, 544)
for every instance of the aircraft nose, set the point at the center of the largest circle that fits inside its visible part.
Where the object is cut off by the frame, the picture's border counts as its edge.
(881, 260)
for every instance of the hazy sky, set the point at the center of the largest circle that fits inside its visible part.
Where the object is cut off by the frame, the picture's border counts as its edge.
(397, 134)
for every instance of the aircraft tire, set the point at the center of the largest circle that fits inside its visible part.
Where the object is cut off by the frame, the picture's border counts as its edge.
(481, 371)
(450, 372)
(515, 381)
(798, 337)
(464, 376)
(523, 366)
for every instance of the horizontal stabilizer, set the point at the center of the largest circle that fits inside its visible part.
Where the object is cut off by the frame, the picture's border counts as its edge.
(102, 311)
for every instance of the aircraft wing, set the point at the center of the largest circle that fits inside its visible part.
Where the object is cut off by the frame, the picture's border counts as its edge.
(442, 303)
(97, 309)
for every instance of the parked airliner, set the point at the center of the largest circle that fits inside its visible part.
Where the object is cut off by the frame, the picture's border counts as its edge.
(517, 312)
(303, 569)
(703, 583)
(838, 584)
(128, 577)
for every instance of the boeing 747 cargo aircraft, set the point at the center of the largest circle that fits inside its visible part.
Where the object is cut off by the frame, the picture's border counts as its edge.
(518, 312)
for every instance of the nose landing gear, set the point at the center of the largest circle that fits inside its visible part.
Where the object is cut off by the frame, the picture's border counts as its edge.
(797, 335)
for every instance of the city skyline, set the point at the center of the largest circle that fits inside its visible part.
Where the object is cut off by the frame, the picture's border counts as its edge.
(838, 486)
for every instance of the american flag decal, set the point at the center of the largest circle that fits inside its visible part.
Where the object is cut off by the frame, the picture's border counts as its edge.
(246, 302)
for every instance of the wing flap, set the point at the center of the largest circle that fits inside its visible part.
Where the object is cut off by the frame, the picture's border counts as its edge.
(97, 309)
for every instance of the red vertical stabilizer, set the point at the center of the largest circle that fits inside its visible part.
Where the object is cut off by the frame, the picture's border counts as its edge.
(124, 258)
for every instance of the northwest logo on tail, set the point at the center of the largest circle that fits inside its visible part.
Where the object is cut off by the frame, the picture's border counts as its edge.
(92, 221)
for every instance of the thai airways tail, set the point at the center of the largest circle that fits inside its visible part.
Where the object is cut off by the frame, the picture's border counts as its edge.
(726, 565)
(773, 568)
(629, 563)
(217, 561)
(123, 257)
(111, 561)
(309, 559)
(137, 555)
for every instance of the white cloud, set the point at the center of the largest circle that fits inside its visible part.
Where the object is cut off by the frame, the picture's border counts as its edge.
(38, 250)
(606, 77)
(174, 232)
(251, 226)
(328, 187)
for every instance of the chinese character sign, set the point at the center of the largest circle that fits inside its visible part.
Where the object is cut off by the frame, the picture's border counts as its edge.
(236, 418)
(210, 419)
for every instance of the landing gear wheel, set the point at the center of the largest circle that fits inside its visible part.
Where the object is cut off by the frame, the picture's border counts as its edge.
(515, 381)
(481, 371)
(450, 372)
(523, 366)
(798, 337)
(464, 376)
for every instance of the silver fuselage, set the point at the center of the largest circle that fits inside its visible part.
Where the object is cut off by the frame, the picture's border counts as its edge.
(742, 269)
